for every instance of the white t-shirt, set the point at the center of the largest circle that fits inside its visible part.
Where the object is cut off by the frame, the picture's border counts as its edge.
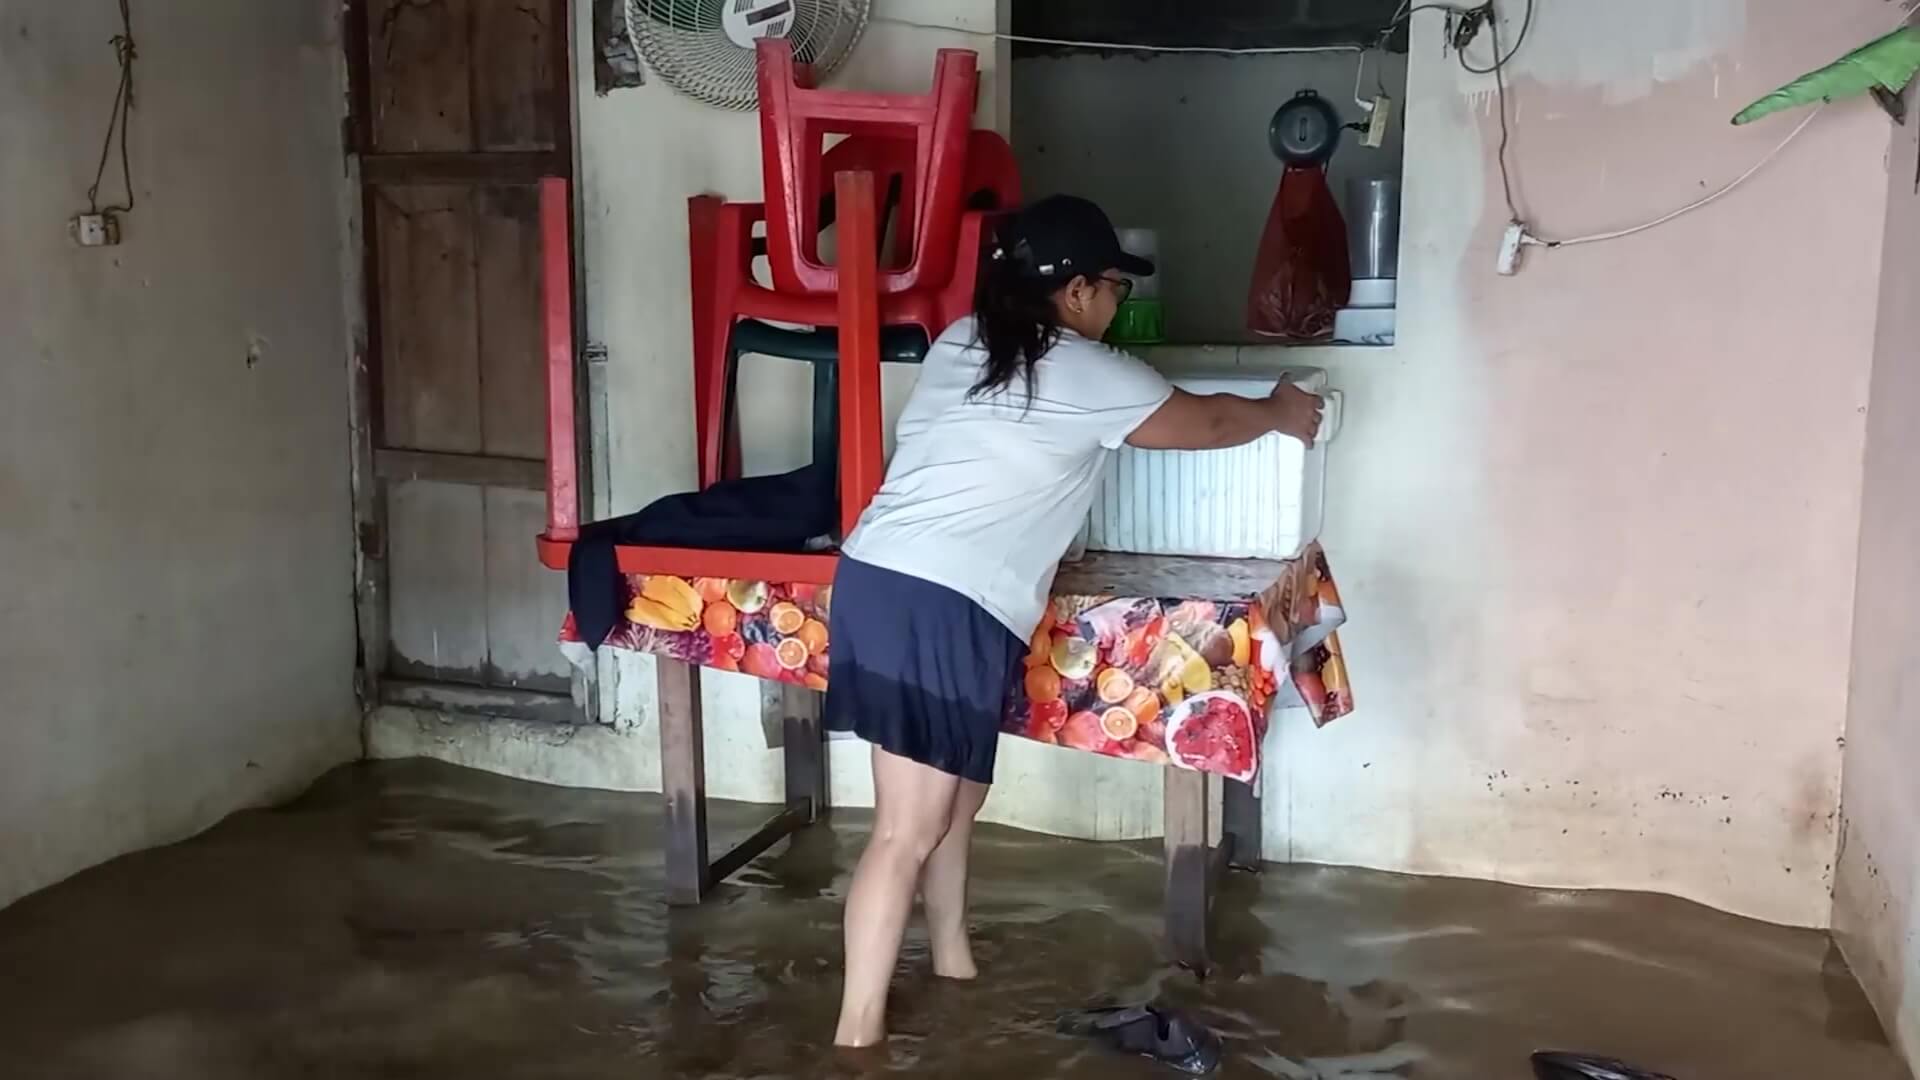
(984, 494)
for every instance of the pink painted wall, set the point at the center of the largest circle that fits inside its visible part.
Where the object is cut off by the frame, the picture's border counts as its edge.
(1597, 523)
(1875, 914)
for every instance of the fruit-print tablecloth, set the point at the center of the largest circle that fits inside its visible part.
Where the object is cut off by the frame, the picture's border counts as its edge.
(1169, 660)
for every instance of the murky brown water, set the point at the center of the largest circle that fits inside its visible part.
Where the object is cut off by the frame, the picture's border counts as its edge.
(416, 920)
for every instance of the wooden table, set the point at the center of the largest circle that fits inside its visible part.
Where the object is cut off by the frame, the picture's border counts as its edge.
(1194, 861)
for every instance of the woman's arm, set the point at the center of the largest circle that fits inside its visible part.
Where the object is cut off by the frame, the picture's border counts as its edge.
(1218, 421)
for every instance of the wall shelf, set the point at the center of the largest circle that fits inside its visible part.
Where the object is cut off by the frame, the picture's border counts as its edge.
(1185, 358)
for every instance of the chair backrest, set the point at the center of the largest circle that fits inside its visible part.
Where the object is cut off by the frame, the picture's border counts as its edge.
(795, 121)
(891, 163)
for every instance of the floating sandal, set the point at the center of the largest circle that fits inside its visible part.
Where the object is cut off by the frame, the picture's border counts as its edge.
(1559, 1065)
(1165, 1035)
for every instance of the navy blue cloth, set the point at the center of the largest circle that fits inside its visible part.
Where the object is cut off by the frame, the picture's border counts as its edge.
(918, 670)
(758, 513)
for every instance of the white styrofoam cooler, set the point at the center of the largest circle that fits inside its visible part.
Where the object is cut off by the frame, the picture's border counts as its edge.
(1259, 501)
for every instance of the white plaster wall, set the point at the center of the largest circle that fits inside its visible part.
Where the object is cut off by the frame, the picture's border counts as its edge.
(176, 631)
(1876, 908)
(1596, 524)
(1545, 437)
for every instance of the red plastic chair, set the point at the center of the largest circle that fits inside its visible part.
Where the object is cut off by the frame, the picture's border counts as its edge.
(795, 121)
(721, 251)
(861, 457)
(731, 227)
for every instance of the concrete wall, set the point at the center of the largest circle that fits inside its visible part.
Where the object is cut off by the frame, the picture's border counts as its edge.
(176, 632)
(1876, 910)
(1179, 144)
(1596, 524)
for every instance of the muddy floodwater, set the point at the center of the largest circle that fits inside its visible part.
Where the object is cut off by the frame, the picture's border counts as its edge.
(418, 920)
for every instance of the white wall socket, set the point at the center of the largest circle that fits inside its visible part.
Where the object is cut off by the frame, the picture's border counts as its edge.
(95, 230)
(1510, 245)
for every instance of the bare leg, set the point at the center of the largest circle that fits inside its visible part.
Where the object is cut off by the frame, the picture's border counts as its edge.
(943, 886)
(912, 803)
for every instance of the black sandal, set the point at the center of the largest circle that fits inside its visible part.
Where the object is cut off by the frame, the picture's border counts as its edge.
(1559, 1065)
(1165, 1035)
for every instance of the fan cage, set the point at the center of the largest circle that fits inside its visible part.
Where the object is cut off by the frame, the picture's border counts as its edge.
(686, 44)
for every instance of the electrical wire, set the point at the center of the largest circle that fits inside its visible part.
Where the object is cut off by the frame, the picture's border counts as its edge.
(1117, 46)
(125, 53)
(1690, 207)
(1501, 59)
(1502, 56)
(1407, 11)
(1499, 71)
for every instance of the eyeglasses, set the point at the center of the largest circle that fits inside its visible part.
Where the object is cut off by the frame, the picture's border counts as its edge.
(1122, 288)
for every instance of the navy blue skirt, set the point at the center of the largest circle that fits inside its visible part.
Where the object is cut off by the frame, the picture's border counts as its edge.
(918, 670)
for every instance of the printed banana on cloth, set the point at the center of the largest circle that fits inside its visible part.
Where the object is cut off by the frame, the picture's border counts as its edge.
(766, 630)
(1164, 660)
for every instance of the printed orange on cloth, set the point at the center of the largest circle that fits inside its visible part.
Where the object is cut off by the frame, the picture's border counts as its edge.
(1158, 659)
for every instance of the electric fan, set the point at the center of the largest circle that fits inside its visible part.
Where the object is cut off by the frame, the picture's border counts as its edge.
(704, 48)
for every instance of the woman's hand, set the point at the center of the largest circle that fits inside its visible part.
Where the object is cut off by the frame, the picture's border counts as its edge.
(1218, 421)
(1295, 412)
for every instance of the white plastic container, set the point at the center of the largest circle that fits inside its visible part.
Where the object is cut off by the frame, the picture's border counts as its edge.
(1146, 244)
(1364, 325)
(1263, 500)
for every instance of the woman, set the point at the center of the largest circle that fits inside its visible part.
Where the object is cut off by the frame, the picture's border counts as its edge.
(946, 577)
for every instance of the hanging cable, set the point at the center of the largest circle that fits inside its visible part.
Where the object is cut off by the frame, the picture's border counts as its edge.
(125, 53)
(1499, 72)
(1406, 11)
(1117, 46)
(1690, 207)
(1500, 59)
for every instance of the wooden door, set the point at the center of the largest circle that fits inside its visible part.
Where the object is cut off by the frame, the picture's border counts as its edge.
(459, 107)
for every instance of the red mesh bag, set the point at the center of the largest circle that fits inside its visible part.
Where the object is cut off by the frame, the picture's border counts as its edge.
(1303, 273)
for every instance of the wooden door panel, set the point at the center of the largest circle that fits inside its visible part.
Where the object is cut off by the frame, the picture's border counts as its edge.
(525, 601)
(437, 559)
(513, 389)
(515, 48)
(430, 369)
(419, 66)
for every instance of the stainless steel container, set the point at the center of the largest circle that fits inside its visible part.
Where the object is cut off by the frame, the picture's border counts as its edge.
(1373, 227)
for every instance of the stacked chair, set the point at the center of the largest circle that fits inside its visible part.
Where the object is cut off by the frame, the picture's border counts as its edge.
(906, 186)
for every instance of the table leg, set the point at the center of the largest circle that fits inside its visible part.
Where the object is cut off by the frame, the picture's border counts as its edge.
(1240, 822)
(683, 777)
(1189, 895)
(802, 746)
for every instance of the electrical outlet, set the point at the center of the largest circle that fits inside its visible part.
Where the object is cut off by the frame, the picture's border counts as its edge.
(1510, 245)
(1468, 26)
(1378, 118)
(95, 230)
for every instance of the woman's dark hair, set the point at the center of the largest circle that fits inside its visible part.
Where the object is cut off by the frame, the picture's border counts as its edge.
(1015, 322)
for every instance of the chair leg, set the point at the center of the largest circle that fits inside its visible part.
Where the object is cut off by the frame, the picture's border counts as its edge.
(826, 422)
(862, 457)
(711, 319)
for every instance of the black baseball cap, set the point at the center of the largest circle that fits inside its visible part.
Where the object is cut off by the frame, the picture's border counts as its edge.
(1062, 237)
